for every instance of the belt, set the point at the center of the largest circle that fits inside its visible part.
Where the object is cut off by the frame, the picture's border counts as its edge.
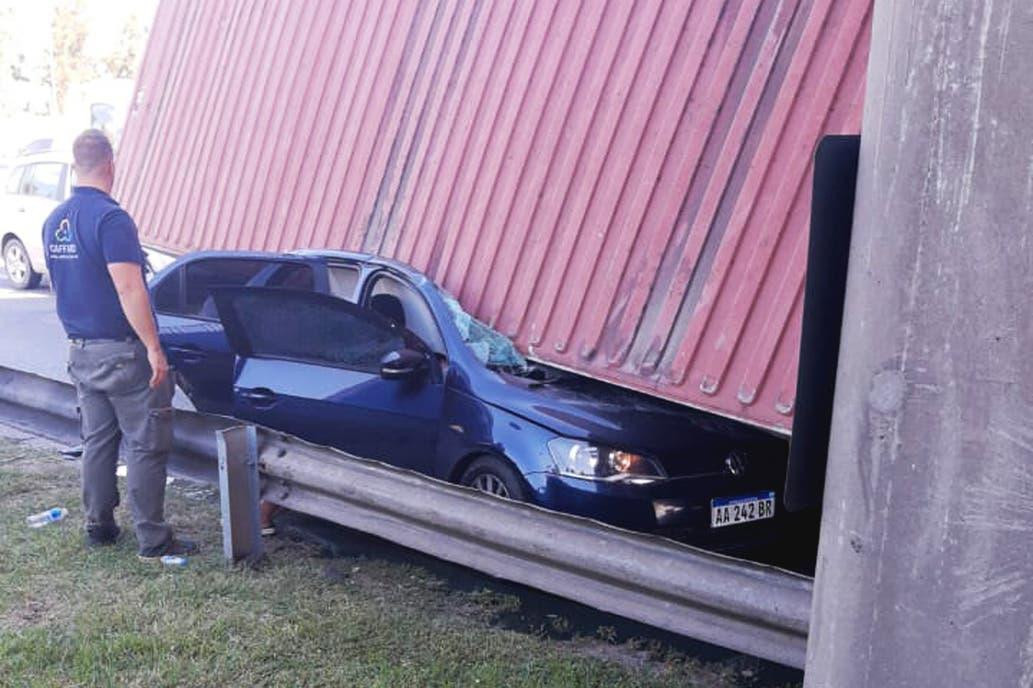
(83, 341)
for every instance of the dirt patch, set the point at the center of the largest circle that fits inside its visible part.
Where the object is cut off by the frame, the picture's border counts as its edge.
(31, 612)
(635, 660)
(32, 455)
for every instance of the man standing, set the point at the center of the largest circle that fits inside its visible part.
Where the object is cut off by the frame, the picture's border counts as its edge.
(120, 373)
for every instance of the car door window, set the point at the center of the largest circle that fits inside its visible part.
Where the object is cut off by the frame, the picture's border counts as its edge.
(46, 180)
(396, 301)
(307, 327)
(188, 291)
(343, 280)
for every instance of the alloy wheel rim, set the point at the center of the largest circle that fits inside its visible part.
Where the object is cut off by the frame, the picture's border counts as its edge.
(16, 263)
(486, 482)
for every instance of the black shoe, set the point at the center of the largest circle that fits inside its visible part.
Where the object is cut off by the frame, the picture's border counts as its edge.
(72, 453)
(102, 535)
(175, 546)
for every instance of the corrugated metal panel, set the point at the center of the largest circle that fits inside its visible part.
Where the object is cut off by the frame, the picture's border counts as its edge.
(621, 186)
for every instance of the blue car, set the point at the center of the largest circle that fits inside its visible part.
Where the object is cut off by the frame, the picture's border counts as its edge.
(370, 356)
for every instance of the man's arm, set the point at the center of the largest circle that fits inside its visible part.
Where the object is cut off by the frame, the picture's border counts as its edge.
(136, 304)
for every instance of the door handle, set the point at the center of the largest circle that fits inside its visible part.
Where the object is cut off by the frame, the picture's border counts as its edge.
(21, 210)
(187, 354)
(259, 397)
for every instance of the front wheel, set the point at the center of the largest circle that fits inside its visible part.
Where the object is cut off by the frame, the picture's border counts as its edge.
(18, 266)
(496, 477)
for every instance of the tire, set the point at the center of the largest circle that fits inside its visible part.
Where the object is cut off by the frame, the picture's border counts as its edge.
(18, 266)
(497, 477)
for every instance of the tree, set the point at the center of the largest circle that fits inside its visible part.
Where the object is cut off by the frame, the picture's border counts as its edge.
(121, 61)
(69, 64)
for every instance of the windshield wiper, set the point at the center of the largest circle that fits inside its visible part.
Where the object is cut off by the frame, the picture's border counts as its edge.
(538, 377)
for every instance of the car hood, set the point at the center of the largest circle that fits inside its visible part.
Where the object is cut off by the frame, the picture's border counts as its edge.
(573, 406)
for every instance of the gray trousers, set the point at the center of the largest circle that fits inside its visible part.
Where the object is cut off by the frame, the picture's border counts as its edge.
(112, 381)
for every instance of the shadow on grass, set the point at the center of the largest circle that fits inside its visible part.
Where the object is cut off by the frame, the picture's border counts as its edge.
(526, 610)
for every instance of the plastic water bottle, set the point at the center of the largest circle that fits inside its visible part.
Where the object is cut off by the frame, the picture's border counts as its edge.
(174, 561)
(45, 517)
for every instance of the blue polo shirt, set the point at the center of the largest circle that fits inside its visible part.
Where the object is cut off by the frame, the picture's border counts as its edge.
(80, 238)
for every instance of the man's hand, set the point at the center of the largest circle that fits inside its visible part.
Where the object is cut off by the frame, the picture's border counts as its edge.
(159, 366)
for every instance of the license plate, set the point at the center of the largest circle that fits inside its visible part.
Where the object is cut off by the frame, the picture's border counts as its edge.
(730, 511)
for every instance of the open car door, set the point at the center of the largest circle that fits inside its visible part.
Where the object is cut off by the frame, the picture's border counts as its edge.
(189, 326)
(333, 373)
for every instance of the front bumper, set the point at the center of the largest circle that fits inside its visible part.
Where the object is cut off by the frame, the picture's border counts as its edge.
(677, 507)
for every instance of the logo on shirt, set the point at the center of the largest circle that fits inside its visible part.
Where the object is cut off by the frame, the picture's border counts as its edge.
(64, 232)
(63, 246)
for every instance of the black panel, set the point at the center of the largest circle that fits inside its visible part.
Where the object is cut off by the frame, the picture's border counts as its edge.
(832, 210)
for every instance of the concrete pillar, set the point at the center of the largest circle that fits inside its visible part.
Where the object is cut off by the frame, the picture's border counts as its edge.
(925, 570)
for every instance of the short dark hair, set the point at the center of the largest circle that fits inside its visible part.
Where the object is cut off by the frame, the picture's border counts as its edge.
(91, 149)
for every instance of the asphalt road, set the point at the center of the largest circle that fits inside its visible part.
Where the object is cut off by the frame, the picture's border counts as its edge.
(31, 336)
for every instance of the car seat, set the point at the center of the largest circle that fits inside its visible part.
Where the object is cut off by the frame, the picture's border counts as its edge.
(389, 306)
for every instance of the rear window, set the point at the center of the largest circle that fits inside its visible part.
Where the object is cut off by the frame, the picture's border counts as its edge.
(14, 180)
(292, 276)
(188, 291)
(204, 275)
(47, 180)
(166, 293)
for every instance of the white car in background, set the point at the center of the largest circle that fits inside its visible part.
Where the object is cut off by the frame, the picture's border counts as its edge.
(34, 186)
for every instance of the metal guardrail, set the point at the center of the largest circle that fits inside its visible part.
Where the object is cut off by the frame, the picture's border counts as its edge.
(744, 606)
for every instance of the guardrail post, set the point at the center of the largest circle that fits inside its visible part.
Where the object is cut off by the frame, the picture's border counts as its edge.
(239, 494)
(925, 568)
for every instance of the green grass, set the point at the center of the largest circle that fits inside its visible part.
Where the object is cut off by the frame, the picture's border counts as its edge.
(72, 616)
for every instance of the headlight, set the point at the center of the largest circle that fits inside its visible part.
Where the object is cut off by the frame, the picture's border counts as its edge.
(580, 459)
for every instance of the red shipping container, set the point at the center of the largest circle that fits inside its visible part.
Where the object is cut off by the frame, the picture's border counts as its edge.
(622, 186)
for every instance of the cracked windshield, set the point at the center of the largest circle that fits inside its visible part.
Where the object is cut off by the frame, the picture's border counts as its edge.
(492, 348)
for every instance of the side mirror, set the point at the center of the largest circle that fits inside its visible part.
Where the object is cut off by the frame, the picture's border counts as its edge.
(402, 364)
